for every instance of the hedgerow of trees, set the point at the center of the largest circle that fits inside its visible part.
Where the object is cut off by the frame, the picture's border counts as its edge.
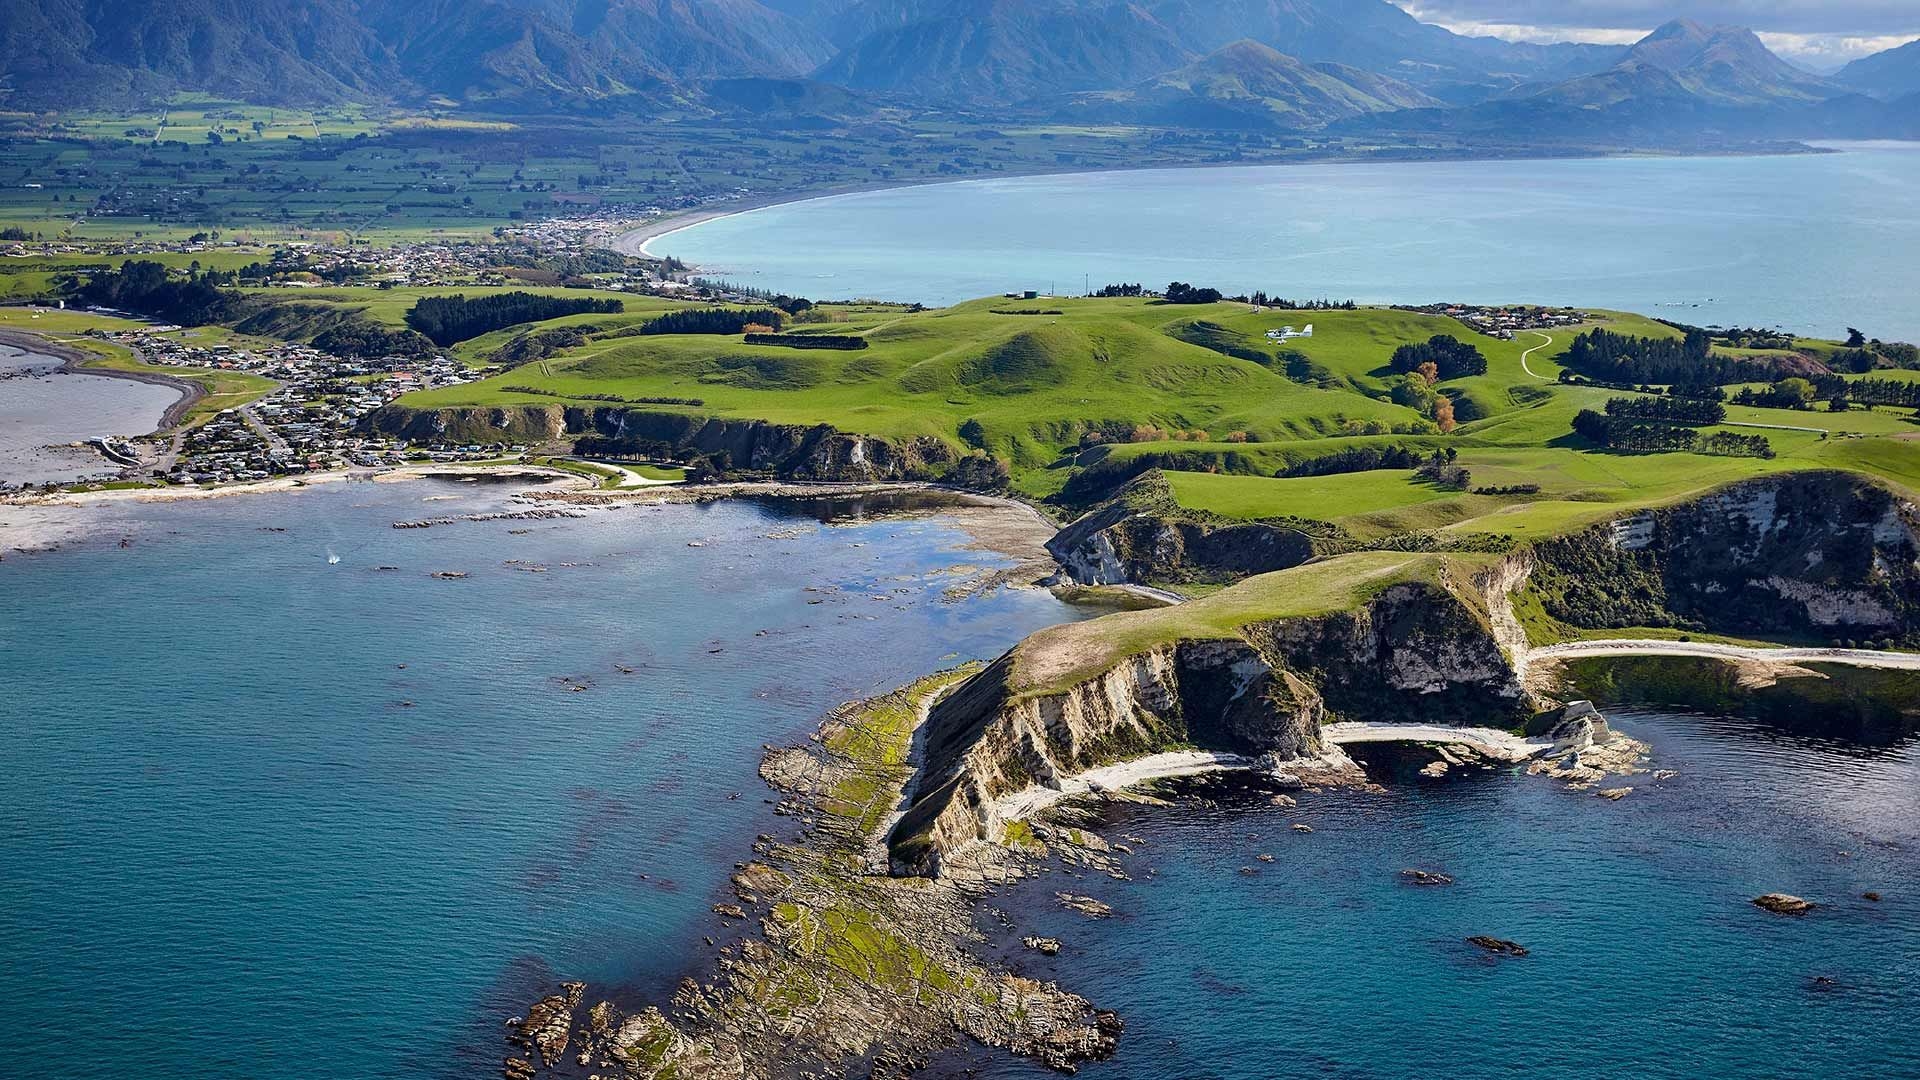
(1604, 354)
(1627, 433)
(1900, 393)
(1667, 410)
(715, 321)
(447, 320)
(1355, 459)
(847, 342)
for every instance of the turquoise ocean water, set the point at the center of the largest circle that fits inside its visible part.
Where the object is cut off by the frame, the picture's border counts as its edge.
(269, 817)
(1815, 243)
(1647, 957)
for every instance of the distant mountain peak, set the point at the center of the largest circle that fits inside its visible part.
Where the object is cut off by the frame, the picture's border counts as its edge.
(1726, 64)
(1894, 73)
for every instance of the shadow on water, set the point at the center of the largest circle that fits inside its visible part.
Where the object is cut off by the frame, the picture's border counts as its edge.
(1849, 709)
(847, 509)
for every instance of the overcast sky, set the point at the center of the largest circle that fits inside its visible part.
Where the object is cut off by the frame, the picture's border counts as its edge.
(1817, 33)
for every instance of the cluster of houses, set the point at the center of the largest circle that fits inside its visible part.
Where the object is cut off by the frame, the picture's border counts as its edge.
(311, 422)
(1504, 321)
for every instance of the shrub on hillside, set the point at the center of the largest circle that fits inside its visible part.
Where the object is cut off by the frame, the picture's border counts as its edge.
(1451, 358)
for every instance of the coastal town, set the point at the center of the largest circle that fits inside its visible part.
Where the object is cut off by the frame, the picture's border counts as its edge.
(309, 421)
(1503, 321)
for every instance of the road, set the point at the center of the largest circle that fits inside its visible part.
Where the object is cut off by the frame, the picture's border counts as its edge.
(1871, 658)
(1778, 427)
(276, 445)
(1546, 341)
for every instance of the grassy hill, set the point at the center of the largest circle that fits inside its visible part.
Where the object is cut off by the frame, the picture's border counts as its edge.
(1059, 388)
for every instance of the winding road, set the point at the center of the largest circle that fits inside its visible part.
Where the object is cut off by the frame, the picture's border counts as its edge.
(1546, 341)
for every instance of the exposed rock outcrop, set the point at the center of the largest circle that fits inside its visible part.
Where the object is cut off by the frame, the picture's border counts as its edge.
(1416, 650)
(788, 451)
(1804, 555)
(843, 972)
(1783, 904)
(1142, 536)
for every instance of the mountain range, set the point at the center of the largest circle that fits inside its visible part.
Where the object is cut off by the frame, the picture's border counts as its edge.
(1241, 64)
(1891, 74)
(1682, 79)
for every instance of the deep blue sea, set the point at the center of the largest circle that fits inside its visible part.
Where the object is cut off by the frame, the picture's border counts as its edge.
(271, 817)
(1815, 243)
(1647, 958)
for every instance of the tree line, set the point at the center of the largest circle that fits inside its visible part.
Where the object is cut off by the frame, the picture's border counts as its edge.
(1604, 354)
(1180, 292)
(792, 305)
(715, 321)
(447, 320)
(847, 342)
(1631, 433)
(1261, 299)
(1355, 459)
(1900, 392)
(1666, 410)
(1840, 393)
(1698, 391)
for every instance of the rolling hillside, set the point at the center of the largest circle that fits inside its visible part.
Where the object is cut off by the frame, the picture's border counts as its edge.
(1059, 388)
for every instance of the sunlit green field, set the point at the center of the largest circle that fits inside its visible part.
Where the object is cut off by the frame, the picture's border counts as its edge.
(1216, 406)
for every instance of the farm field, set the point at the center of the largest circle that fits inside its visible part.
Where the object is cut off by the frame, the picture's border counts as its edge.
(388, 175)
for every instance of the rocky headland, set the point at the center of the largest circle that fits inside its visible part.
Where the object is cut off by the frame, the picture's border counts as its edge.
(914, 806)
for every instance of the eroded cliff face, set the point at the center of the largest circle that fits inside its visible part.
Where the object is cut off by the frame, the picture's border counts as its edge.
(1830, 554)
(787, 451)
(1809, 555)
(1141, 536)
(1414, 652)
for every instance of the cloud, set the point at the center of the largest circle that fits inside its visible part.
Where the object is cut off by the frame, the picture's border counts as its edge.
(1818, 33)
(1826, 18)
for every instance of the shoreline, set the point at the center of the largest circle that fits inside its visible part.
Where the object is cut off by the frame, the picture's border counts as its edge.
(1001, 525)
(40, 523)
(80, 362)
(638, 241)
